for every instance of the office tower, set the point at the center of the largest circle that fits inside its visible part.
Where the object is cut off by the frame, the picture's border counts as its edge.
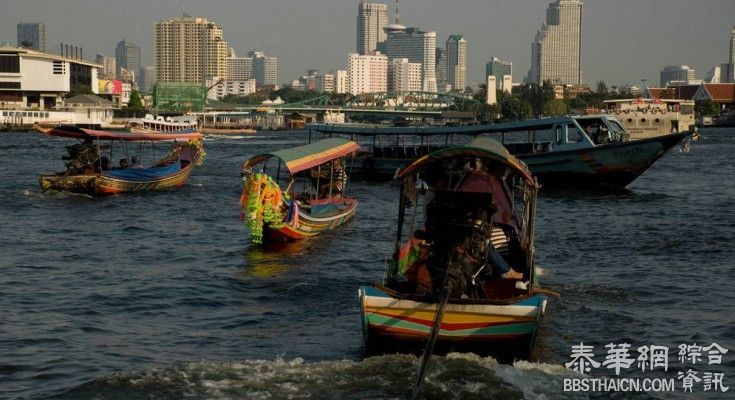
(108, 70)
(189, 49)
(676, 75)
(127, 55)
(441, 69)
(367, 73)
(372, 18)
(457, 62)
(557, 49)
(265, 68)
(239, 68)
(418, 47)
(499, 68)
(404, 76)
(32, 36)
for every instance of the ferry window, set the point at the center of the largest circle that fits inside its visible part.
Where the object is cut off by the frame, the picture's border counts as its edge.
(573, 134)
(559, 133)
(657, 120)
(5, 113)
(643, 120)
(630, 119)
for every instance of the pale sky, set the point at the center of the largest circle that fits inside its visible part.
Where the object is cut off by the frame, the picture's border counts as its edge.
(623, 41)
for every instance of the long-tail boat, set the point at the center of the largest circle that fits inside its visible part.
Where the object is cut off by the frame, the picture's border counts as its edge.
(301, 194)
(477, 201)
(575, 151)
(90, 170)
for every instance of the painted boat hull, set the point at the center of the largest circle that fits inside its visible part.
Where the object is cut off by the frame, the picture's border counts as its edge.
(310, 226)
(102, 185)
(614, 165)
(392, 322)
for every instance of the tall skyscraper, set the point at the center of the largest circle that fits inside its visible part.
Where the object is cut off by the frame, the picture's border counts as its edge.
(372, 18)
(441, 69)
(457, 62)
(418, 47)
(556, 52)
(32, 36)
(189, 49)
(265, 68)
(127, 55)
(367, 73)
(499, 68)
(677, 75)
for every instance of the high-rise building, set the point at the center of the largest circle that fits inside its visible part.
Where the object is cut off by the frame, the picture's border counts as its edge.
(127, 55)
(189, 49)
(367, 73)
(148, 78)
(404, 76)
(418, 47)
(239, 68)
(325, 82)
(108, 70)
(372, 18)
(731, 61)
(441, 69)
(677, 75)
(265, 68)
(32, 36)
(340, 81)
(556, 52)
(457, 62)
(499, 68)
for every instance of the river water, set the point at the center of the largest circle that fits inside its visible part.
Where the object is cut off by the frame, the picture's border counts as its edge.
(161, 295)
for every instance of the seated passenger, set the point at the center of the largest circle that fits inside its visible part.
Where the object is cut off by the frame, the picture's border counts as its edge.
(135, 162)
(123, 163)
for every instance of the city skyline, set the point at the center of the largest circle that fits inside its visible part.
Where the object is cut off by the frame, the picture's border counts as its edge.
(620, 44)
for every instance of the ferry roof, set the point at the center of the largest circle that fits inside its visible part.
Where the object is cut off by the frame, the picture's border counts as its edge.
(308, 156)
(372, 130)
(482, 147)
(75, 132)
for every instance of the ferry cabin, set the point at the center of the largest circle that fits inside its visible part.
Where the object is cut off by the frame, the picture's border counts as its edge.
(646, 118)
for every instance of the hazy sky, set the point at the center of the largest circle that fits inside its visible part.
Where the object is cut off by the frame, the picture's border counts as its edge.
(623, 40)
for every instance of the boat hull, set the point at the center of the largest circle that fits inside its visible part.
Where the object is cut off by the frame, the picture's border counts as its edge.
(612, 165)
(102, 185)
(615, 164)
(309, 226)
(393, 322)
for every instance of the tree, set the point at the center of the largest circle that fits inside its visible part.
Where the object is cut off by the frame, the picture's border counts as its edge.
(602, 88)
(555, 108)
(135, 102)
(706, 107)
(515, 109)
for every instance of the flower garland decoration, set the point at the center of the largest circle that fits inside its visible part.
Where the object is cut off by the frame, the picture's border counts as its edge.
(198, 149)
(261, 203)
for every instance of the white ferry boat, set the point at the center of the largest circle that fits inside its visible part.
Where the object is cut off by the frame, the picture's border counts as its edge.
(647, 118)
(149, 124)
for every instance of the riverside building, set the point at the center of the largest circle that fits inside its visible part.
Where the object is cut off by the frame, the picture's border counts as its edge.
(367, 73)
(418, 47)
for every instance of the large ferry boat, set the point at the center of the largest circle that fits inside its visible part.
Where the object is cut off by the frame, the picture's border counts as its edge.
(647, 118)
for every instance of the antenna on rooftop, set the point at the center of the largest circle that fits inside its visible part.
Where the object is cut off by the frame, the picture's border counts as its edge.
(398, 12)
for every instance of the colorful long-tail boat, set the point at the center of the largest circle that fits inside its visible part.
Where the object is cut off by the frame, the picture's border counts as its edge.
(90, 170)
(477, 200)
(299, 195)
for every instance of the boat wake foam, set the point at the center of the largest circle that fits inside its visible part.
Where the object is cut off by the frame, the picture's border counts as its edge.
(455, 376)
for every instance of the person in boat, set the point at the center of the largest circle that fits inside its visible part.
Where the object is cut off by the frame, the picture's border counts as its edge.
(135, 163)
(104, 163)
(123, 163)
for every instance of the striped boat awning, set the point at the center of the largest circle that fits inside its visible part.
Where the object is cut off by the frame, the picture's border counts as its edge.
(309, 156)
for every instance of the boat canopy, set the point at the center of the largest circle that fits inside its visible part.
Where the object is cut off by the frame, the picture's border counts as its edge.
(75, 132)
(470, 130)
(308, 156)
(482, 147)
